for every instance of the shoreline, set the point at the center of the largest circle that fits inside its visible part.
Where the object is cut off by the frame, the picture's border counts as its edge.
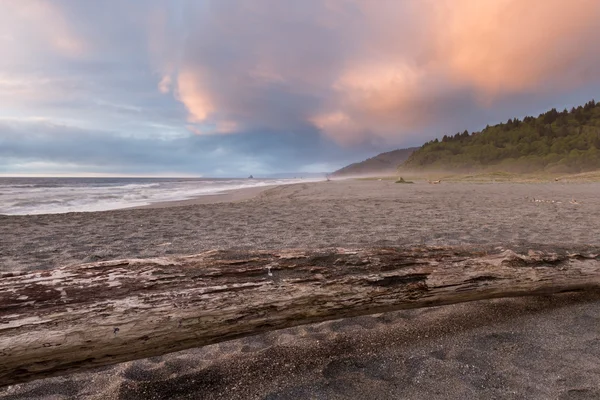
(92, 198)
(229, 196)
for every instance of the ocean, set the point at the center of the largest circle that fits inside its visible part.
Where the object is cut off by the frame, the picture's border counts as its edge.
(21, 196)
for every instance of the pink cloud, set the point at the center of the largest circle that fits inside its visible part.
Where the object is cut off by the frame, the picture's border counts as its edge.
(502, 46)
(42, 22)
(354, 70)
(190, 92)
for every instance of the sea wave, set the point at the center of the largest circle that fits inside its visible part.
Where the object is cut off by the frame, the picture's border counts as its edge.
(72, 195)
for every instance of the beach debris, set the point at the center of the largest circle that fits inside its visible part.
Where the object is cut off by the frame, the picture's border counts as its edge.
(435, 182)
(222, 294)
(401, 180)
(534, 200)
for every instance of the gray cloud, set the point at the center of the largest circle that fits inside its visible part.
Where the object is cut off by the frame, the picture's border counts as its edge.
(48, 146)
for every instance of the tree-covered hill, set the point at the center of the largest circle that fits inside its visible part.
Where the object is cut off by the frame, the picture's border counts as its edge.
(555, 141)
(381, 164)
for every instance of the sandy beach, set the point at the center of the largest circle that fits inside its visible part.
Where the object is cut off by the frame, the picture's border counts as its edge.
(535, 348)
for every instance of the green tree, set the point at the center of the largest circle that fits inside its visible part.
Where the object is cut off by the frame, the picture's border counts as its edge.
(557, 141)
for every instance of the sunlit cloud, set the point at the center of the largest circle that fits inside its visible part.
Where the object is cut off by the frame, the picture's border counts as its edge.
(340, 126)
(504, 46)
(389, 66)
(191, 93)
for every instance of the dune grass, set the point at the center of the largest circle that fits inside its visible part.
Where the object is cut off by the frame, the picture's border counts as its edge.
(489, 177)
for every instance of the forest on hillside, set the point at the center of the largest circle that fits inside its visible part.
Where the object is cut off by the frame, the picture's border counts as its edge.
(555, 141)
(381, 164)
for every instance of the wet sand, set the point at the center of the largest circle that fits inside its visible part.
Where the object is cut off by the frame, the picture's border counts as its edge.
(227, 197)
(536, 348)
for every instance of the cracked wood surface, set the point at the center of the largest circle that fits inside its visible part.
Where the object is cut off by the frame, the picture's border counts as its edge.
(85, 316)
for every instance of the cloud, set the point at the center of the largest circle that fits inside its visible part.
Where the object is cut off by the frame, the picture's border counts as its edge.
(363, 70)
(41, 23)
(504, 46)
(164, 86)
(39, 142)
(190, 92)
(279, 85)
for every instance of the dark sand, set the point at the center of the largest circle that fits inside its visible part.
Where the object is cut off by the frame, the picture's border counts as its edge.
(231, 196)
(535, 348)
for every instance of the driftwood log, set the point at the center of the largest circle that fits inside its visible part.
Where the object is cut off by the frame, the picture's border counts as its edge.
(77, 317)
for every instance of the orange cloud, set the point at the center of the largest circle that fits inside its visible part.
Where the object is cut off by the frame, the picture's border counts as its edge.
(357, 69)
(339, 126)
(379, 90)
(493, 47)
(191, 93)
(373, 99)
(514, 45)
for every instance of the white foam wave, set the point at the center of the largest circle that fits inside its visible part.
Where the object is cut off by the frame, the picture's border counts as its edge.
(27, 198)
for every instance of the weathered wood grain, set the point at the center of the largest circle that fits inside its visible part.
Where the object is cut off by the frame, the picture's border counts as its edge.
(77, 317)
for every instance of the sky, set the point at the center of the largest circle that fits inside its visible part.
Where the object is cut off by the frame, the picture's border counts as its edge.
(240, 87)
